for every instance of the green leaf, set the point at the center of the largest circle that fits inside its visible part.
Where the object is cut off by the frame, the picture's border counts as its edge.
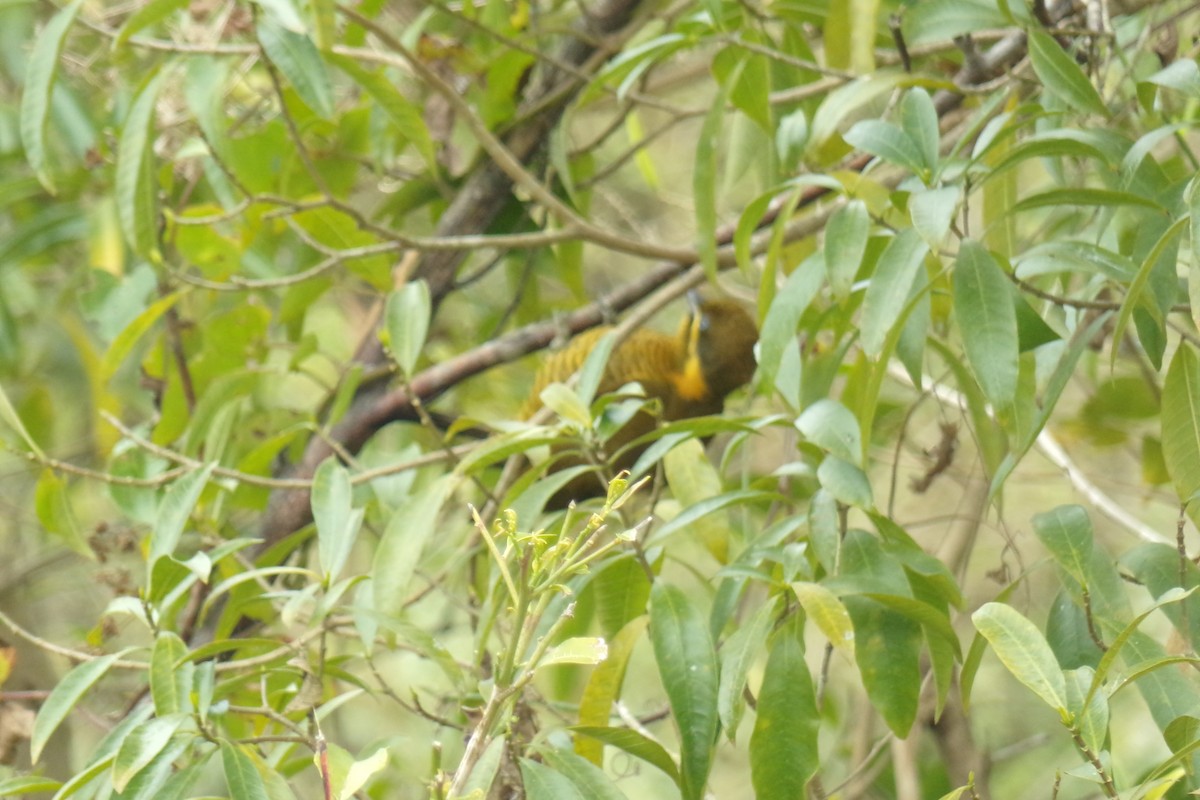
(737, 654)
(687, 663)
(1181, 422)
(1105, 198)
(399, 551)
(174, 509)
(846, 236)
(285, 13)
(704, 181)
(242, 778)
(709, 506)
(144, 17)
(170, 681)
(1066, 532)
(588, 650)
(887, 648)
(1182, 76)
(783, 318)
(919, 120)
(403, 113)
(63, 697)
(1061, 75)
(1024, 651)
(27, 784)
(934, 20)
(9, 416)
(121, 346)
(408, 314)
(336, 518)
(141, 746)
(54, 511)
(635, 744)
(136, 191)
(889, 289)
(40, 72)
(604, 687)
(1133, 296)
(887, 141)
(295, 55)
(592, 371)
(543, 783)
(932, 212)
(1192, 195)
(783, 747)
(825, 609)
(987, 321)
(590, 780)
(846, 482)
(831, 426)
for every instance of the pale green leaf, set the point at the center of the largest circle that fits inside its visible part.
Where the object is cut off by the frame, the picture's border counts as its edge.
(1024, 651)
(40, 72)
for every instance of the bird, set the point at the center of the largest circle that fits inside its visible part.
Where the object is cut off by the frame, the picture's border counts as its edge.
(690, 373)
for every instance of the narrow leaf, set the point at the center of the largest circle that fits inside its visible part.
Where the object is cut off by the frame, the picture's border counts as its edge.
(1181, 422)
(687, 663)
(404, 539)
(40, 72)
(63, 698)
(136, 190)
(176, 507)
(132, 333)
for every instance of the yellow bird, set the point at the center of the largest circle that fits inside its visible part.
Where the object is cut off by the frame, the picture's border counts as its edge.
(690, 373)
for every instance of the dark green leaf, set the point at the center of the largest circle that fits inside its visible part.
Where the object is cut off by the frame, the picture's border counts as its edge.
(634, 743)
(687, 663)
(887, 646)
(783, 747)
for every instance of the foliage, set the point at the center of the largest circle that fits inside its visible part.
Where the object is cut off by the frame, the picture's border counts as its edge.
(282, 533)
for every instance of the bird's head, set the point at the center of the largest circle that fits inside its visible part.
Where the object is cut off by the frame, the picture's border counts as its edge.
(718, 339)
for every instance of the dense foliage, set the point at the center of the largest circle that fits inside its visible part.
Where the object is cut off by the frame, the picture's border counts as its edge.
(278, 528)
